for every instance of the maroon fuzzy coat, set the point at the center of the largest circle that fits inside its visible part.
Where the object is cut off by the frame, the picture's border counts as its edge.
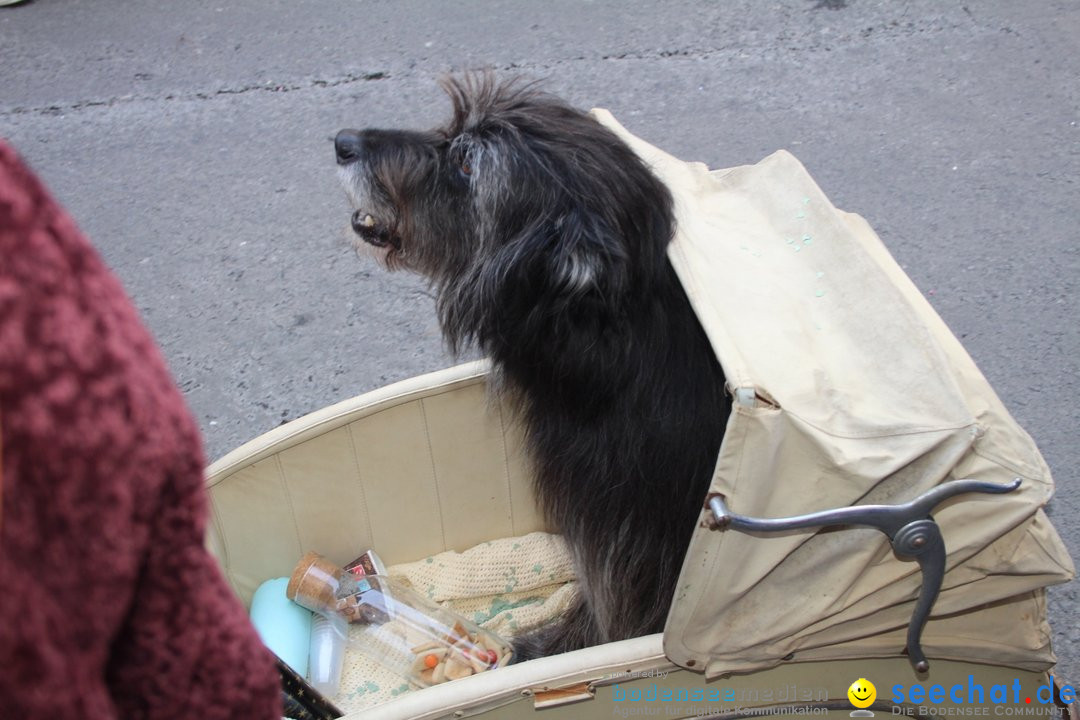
(110, 607)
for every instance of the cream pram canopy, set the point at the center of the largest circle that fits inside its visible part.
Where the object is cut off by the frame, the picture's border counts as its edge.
(850, 390)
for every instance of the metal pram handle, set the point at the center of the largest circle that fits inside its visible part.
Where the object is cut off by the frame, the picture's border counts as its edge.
(909, 527)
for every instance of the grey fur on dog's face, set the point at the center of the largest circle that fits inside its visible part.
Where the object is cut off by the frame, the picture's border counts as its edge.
(395, 177)
(475, 202)
(418, 196)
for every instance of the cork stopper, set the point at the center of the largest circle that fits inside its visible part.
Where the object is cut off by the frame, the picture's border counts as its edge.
(314, 583)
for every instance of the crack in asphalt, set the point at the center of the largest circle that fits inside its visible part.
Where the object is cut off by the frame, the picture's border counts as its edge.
(269, 86)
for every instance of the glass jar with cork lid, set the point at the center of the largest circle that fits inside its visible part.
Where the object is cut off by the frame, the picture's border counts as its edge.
(388, 622)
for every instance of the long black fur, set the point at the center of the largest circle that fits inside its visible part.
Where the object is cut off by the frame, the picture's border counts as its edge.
(545, 239)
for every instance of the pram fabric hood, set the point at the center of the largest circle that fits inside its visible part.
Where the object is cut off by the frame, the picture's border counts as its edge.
(849, 390)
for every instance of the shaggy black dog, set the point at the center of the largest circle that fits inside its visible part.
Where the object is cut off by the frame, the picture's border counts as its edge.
(545, 239)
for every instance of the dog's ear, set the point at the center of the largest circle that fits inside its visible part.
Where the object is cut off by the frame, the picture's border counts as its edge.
(569, 261)
(584, 257)
(556, 276)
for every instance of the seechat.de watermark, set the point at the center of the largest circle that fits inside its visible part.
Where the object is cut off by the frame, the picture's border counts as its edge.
(975, 699)
(963, 699)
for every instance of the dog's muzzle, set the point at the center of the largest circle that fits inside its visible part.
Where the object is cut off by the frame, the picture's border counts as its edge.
(349, 146)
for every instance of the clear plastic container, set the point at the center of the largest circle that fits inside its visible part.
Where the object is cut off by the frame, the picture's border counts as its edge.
(389, 623)
(326, 655)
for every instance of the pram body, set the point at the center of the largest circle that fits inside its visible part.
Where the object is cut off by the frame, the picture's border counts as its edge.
(849, 390)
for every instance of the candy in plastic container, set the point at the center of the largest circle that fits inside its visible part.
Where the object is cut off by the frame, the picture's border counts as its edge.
(393, 625)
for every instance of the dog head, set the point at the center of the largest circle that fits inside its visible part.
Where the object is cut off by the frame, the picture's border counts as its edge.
(519, 202)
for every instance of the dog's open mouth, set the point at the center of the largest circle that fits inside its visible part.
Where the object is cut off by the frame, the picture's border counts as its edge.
(372, 231)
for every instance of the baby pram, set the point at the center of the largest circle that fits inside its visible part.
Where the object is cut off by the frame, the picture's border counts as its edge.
(848, 391)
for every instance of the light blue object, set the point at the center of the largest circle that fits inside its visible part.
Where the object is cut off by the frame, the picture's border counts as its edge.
(284, 626)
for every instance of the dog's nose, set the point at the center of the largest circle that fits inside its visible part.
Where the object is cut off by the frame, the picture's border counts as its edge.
(349, 146)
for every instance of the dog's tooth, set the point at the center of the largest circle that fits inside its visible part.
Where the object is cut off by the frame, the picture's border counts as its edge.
(368, 221)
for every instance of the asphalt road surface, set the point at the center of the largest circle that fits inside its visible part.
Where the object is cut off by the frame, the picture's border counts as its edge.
(191, 141)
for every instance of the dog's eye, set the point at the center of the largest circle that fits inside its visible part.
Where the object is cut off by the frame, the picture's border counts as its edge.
(466, 167)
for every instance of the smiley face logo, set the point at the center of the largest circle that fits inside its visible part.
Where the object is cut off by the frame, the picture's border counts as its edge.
(862, 693)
